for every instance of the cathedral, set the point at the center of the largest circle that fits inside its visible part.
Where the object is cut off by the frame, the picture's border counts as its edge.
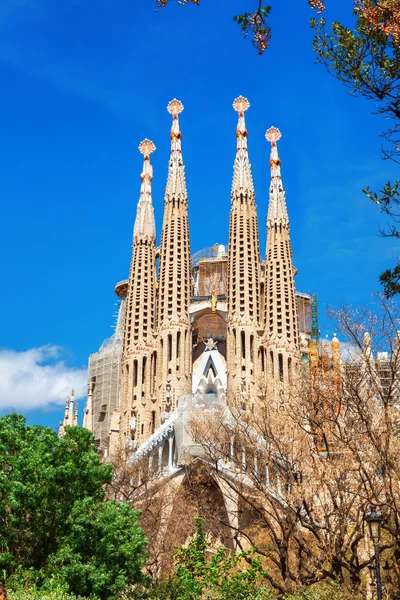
(217, 326)
(215, 397)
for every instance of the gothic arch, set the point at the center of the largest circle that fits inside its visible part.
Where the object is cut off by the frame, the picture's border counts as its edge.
(198, 491)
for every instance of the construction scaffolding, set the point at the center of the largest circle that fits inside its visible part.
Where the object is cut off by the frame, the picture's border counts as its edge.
(304, 303)
(209, 252)
(105, 376)
(315, 333)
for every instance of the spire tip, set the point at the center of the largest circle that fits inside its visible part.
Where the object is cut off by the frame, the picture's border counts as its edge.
(241, 104)
(273, 135)
(175, 107)
(146, 147)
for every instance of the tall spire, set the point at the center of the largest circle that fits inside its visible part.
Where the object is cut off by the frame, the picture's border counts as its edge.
(145, 226)
(281, 321)
(243, 273)
(277, 209)
(176, 182)
(174, 289)
(70, 414)
(242, 177)
(139, 348)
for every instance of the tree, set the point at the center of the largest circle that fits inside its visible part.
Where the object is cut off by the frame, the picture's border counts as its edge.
(201, 574)
(103, 551)
(54, 523)
(167, 509)
(366, 59)
(303, 472)
(254, 24)
(139, 485)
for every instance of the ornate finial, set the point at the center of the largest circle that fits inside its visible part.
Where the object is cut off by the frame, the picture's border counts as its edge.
(273, 135)
(175, 107)
(367, 339)
(241, 104)
(335, 340)
(144, 223)
(176, 183)
(242, 178)
(277, 209)
(146, 148)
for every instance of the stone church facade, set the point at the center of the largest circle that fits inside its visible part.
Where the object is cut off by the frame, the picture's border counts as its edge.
(218, 326)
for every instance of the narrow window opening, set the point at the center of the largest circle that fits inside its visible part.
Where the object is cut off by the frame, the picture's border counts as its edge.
(243, 341)
(280, 359)
(169, 347)
(144, 371)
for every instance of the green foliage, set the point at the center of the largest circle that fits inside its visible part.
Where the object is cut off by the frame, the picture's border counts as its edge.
(218, 577)
(55, 527)
(26, 594)
(388, 200)
(256, 24)
(22, 585)
(33, 593)
(41, 477)
(366, 59)
(363, 58)
(326, 591)
(103, 551)
(390, 279)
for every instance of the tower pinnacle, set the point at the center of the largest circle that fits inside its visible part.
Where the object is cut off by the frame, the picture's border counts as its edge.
(277, 210)
(144, 224)
(138, 352)
(243, 271)
(242, 177)
(281, 323)
(174, 288)
(176, 182)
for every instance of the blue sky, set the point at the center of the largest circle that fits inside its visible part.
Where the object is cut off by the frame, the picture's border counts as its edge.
(82, 84)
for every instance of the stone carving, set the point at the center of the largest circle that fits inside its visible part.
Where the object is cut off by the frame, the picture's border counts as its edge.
(132, 424)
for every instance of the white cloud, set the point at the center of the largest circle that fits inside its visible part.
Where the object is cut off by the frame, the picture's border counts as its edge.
(38, 378)
(350, 352)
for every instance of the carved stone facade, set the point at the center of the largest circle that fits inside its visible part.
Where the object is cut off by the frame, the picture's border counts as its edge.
(281, 335)
(139, 354)
(244, 274)
(70, 415)
(223, 326)
(173, 377)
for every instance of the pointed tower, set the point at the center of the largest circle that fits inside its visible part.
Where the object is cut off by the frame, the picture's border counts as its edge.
(88, 412)
(243, 274)
(137, 401)
(336, 364)
(174, 289)
(70, 414)
(281, 338)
